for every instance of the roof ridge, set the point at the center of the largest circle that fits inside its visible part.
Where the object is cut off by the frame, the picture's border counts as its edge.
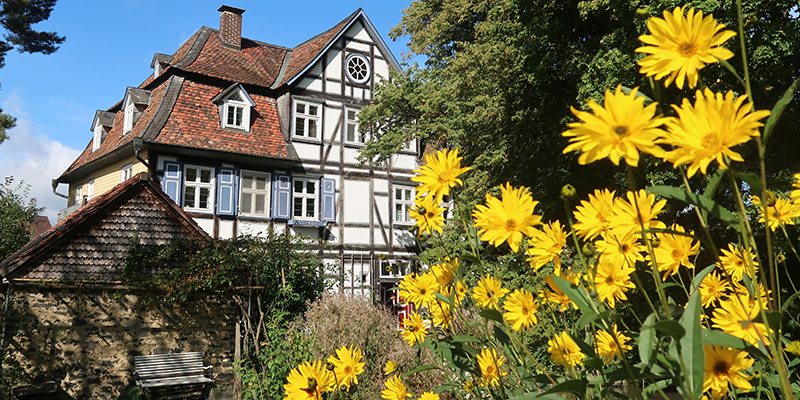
(194, 50)
(168, 99)
(351, 16)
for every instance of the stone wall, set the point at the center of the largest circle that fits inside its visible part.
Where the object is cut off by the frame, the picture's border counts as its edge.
(85, 340)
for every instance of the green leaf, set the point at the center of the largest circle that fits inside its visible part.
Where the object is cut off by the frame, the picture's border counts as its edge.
(700, 275)
(647, 339)
(627, 90)
(443, 388)
(575, 293)
(778, 108)
(491, 314)
(756, 186)
(501, 335)
(670, 328)
(700, 201)
(426, 367)
(444, 298)
(470, 258)
(713, 182)
(720, 338)
(464, 339)
(576, 386)
(536, 395)
(789, 300)
(691, 346)
(587, 319)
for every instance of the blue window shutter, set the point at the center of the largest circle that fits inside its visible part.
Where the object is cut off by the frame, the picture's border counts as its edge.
(328, 208)
(173, 181)
(281, 196)
(226, 191)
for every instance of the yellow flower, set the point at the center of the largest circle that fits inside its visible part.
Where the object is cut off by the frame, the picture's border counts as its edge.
(795, 194)
(679, 45)
(414, 329)
(621, 250)
(564, 351)
(735, 316)
(547, 245)
(390, 367)
(419, 289)
(427, 215)
(395, 389)
(555, 295)
(308, 381)
(707, 130)
(759, 291)
(490, 365)
(593, 216)
(445, 271)
(674, 251)
(439, 174)
(507, 220)
(441, 314)
(712, 288)
(612, 281)
(736, 263)
(608, 348)
(468, 386)
(622, 127)
(783, 212)
(521, 309)
(488, 292)
(429, 396)
(639, 211)
(348, 366)
(724, 366)
(793, 347)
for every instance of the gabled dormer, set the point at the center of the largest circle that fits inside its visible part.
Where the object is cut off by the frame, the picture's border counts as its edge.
(160, 63)
(136, 100)
(102, 123)
(234, 105)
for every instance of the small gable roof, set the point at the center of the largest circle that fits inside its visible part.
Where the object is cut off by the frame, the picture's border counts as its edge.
(91, 243)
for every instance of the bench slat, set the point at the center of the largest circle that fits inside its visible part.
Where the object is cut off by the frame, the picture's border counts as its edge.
(173, 381)
(170, 369)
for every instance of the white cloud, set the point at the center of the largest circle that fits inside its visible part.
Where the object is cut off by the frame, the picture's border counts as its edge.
(34, 158)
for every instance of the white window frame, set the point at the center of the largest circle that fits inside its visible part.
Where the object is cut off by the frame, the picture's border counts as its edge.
(243, 191)
(126, 172)
(365, 63)
(78, 195)
(399, 268)
(97, 139)
(90, 188)
(245, 117)
(404, 219)
(306, 116)
(358, 136)
(305, 196)
(130, 110)
(199, 185)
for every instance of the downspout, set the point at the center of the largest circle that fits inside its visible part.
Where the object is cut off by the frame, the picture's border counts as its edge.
(138, 143)
(54, 183)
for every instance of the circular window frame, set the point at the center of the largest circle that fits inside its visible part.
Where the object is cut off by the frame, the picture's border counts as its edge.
(365, 63)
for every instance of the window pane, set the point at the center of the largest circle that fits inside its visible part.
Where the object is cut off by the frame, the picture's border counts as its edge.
(398, 194)
(247, 203)
(188, 197)
(312, 110)
(408, 195)
(351, 133)
(247, 181)
(408, 214)
(311, 187)
(204, 195)
(298, 186)
(299, 127)
(205, 175)
(351, 115)
(261, 201)
(261, 183)
(231, 111)
(301, 108)
(298, 207)
(398, 212)
(310, 208)
(191, 174)
(312, 128)
(239, 116)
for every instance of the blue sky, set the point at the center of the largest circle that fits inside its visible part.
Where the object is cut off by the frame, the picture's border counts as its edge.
(109, 46)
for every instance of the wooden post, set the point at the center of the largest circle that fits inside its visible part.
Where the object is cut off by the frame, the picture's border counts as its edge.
(237, 359)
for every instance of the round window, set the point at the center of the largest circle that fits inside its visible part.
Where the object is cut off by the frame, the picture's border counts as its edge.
(358, 69)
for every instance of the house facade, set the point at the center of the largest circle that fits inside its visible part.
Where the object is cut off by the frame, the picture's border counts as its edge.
(247, 136)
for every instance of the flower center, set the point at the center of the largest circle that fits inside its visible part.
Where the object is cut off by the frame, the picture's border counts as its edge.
(687, 49)
(431, 214)
(490, 370)
(677, 254)
(776, 215)
(624, 248)
(622, 132)
(423, 291)
(524, 310)
(348, 369)
(609, 280)
(412, 328)
(511, 225)
(707, 139)
(602, 218)
(721, 368)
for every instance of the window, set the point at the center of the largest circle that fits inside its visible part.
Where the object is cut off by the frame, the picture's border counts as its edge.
(358, 69)
(97, 140)
(403, 201)
(254, 199)
(304, 198)
(394, 268)
(236, 112)
(198, 188)
(77, 195)
(126, 172)
(306, 119)
(90, 189)
(129, 111)
(353, 135)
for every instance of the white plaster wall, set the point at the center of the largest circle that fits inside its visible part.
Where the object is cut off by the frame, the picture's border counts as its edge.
(253, 228)
(207, 224)
(356, 202)
(356, 235)
(225, 229)
(307, 151)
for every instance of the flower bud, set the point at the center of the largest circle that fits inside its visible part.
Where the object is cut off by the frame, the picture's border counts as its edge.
(421, 210)
(780, 258)
(412, 228)
(330, 366)
(588, 249)
(312, 384)
(770, 200)
(567, 192)
(422, 238)
(382, 256)
(655, 241)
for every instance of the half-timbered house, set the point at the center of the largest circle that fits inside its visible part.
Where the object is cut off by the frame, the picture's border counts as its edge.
(246, 136)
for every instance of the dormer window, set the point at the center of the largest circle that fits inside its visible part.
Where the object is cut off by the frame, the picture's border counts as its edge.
(235, 105)
(130, 111)
(97, 140)
(101, 125)
(136, 100)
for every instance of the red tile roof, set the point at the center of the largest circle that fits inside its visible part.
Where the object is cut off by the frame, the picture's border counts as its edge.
(310, 49)
(40, 225)
(91, 242)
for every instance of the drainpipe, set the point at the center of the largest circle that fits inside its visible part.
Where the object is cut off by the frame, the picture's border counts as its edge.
(54, 183)
(138, 144)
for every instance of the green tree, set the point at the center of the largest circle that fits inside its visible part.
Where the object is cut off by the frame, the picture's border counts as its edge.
(499, 77)
(16, 18)
(16, 215)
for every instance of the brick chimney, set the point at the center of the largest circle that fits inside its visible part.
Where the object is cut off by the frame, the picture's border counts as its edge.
(230, 27)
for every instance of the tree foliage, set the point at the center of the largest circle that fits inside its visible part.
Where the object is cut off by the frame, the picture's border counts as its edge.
(16, 216)
(16, 17)
(498, 79)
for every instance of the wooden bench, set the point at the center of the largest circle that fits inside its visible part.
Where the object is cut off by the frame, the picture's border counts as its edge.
(163, 372)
